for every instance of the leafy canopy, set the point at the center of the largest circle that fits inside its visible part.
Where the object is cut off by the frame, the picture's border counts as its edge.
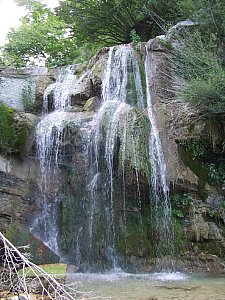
(42, 35)
(112, 21)
(77, 28)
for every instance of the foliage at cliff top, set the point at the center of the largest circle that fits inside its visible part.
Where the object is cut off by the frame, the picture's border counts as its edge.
(77, 28)
(111, 22)
(200, 58)
(42, 35)
(200, 62)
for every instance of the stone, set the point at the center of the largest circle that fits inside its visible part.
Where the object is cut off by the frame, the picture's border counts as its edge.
(92, 104)
(17, 85)
(72, 269)
(198, 229)
(20, 235)
(25, 124)
(41, 85)
(180, 27)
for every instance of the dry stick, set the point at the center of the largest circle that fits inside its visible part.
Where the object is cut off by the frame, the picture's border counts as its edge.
(14, 258)
(52, 282)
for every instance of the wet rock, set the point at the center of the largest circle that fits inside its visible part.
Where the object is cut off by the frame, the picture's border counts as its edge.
(25, 124)
(92, 104)
(199, 229)
(72, 269)
(41, 85)
(216, 234)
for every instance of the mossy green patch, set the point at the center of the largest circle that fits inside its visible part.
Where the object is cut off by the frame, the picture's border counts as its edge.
(21, 140)
(180, 238)
(196, 166)
(212, 247)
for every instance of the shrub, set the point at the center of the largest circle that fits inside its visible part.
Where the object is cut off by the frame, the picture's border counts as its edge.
(7, 131)
(198, 63)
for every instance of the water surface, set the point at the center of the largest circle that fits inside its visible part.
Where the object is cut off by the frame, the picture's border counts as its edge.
(156, 286)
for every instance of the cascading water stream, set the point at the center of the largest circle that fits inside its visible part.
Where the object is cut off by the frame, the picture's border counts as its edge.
(60, 90)
(121, 69)
(159, 184)
(49, 136)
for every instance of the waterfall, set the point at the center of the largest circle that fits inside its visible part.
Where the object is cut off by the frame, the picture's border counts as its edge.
(159, 183)
(60, 90)
(117, 152)
(49, 136)
(122, 68)
(121, 90)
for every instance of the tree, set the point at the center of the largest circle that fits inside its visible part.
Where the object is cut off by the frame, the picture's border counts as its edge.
(112, 21)
(20, 275)
(42, 36)
(209, 14)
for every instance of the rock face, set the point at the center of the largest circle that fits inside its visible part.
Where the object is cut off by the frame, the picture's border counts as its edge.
(197, 201)
(190, 152)
(18, 87)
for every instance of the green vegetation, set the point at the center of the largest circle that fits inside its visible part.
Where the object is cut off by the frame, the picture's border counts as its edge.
(55, 270)
(199, 62)
(76, 29)
(216, 172)
(7, 136)
(200, 56)
(112, 22)
(181, 204)
(196, 147)
(41, 36)
(205, 160)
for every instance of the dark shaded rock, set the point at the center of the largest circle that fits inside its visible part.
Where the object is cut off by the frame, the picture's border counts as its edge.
(19, 235)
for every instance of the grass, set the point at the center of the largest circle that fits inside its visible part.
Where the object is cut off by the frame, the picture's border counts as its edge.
(55, 270)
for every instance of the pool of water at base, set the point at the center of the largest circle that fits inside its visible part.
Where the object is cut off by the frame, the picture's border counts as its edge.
(156, 286)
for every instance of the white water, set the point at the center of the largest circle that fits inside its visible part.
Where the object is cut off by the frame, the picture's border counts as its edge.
(60, 90)
(48, 140)
(122, 69)
(92, 188)
(121, 92)
(159, 183)
(49, 137)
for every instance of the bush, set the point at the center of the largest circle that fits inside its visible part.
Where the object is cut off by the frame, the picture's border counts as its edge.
(210, 15)
(7, 131)
(198, 63)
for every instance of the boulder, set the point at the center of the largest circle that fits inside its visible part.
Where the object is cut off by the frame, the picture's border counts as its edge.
(25, 124)
(92, 104)
(199, 229)
(20, 235)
